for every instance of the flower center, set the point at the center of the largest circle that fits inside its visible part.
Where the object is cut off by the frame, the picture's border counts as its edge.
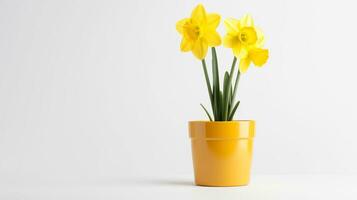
(191, 31)
(248, 35)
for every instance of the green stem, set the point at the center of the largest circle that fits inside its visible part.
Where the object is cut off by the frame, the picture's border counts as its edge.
(232, 67)
(235, 88)
(215, 84)
(207, 82)
(226, 113)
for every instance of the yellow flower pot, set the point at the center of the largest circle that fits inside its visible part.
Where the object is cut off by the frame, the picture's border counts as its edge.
(222, 152)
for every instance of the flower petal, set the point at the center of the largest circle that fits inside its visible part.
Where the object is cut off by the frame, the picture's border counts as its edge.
(237, 49)
(213, 20)
(259, 56)
(244, 65)
(200, 49)
(240, 51)
(213, 39)
(261, 39)
(232, 25)
(243, 53)
(180, 24)
(230, 40)
(199, 14)
(247, 20)
(186, 45)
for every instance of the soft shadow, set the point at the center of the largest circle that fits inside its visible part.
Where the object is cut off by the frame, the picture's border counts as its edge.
(157, 182)
(140, 181)
(170, 182)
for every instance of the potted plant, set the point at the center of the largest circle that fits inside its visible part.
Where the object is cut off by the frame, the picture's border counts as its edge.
(222, 147)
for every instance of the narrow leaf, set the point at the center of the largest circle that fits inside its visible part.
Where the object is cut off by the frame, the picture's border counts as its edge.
(230, 100)
(216, 87)
(235, 87)
(209, 116)
(214, 103)
(220, 106)
(226, 88)
(233, 111)
(207, 82)
(215, 68)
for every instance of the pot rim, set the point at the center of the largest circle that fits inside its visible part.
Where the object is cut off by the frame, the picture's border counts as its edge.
(211, 130)
(233, 121)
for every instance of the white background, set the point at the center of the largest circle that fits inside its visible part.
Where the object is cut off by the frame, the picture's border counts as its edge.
(98, 89)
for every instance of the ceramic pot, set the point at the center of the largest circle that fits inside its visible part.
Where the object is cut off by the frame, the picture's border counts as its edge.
(222, 152)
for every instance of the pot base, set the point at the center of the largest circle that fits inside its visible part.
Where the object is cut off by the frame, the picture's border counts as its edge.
(203, 185)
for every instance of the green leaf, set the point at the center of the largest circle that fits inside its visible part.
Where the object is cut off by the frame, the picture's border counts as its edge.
(214, 104)
(220, 106)
(233, 111)
(230, 100)
(235, 87)
(207, 82)
(226, 89)
(216, 87)
(209, 116)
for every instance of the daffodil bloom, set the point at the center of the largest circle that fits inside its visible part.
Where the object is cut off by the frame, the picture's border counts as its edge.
(246, 41)
(199, 32)
(256, 55)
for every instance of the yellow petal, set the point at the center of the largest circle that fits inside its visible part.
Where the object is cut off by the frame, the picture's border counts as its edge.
(261, 39)
(232, 25)
(200, 49)
(213, 39)
(247, 20)
(199, 14)
(243, 52)
(244, 64)
(180, 24)
(213, 21)
(230, 40)
(236, 50)
(259, 56)
(186, 45)
(240, 51)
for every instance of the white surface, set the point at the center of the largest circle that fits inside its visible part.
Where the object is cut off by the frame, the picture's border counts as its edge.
(267, 187)
(95, 89)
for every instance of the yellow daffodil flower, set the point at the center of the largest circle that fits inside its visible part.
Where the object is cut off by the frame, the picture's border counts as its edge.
(199, 32)
(256, 55)
(246, 41)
